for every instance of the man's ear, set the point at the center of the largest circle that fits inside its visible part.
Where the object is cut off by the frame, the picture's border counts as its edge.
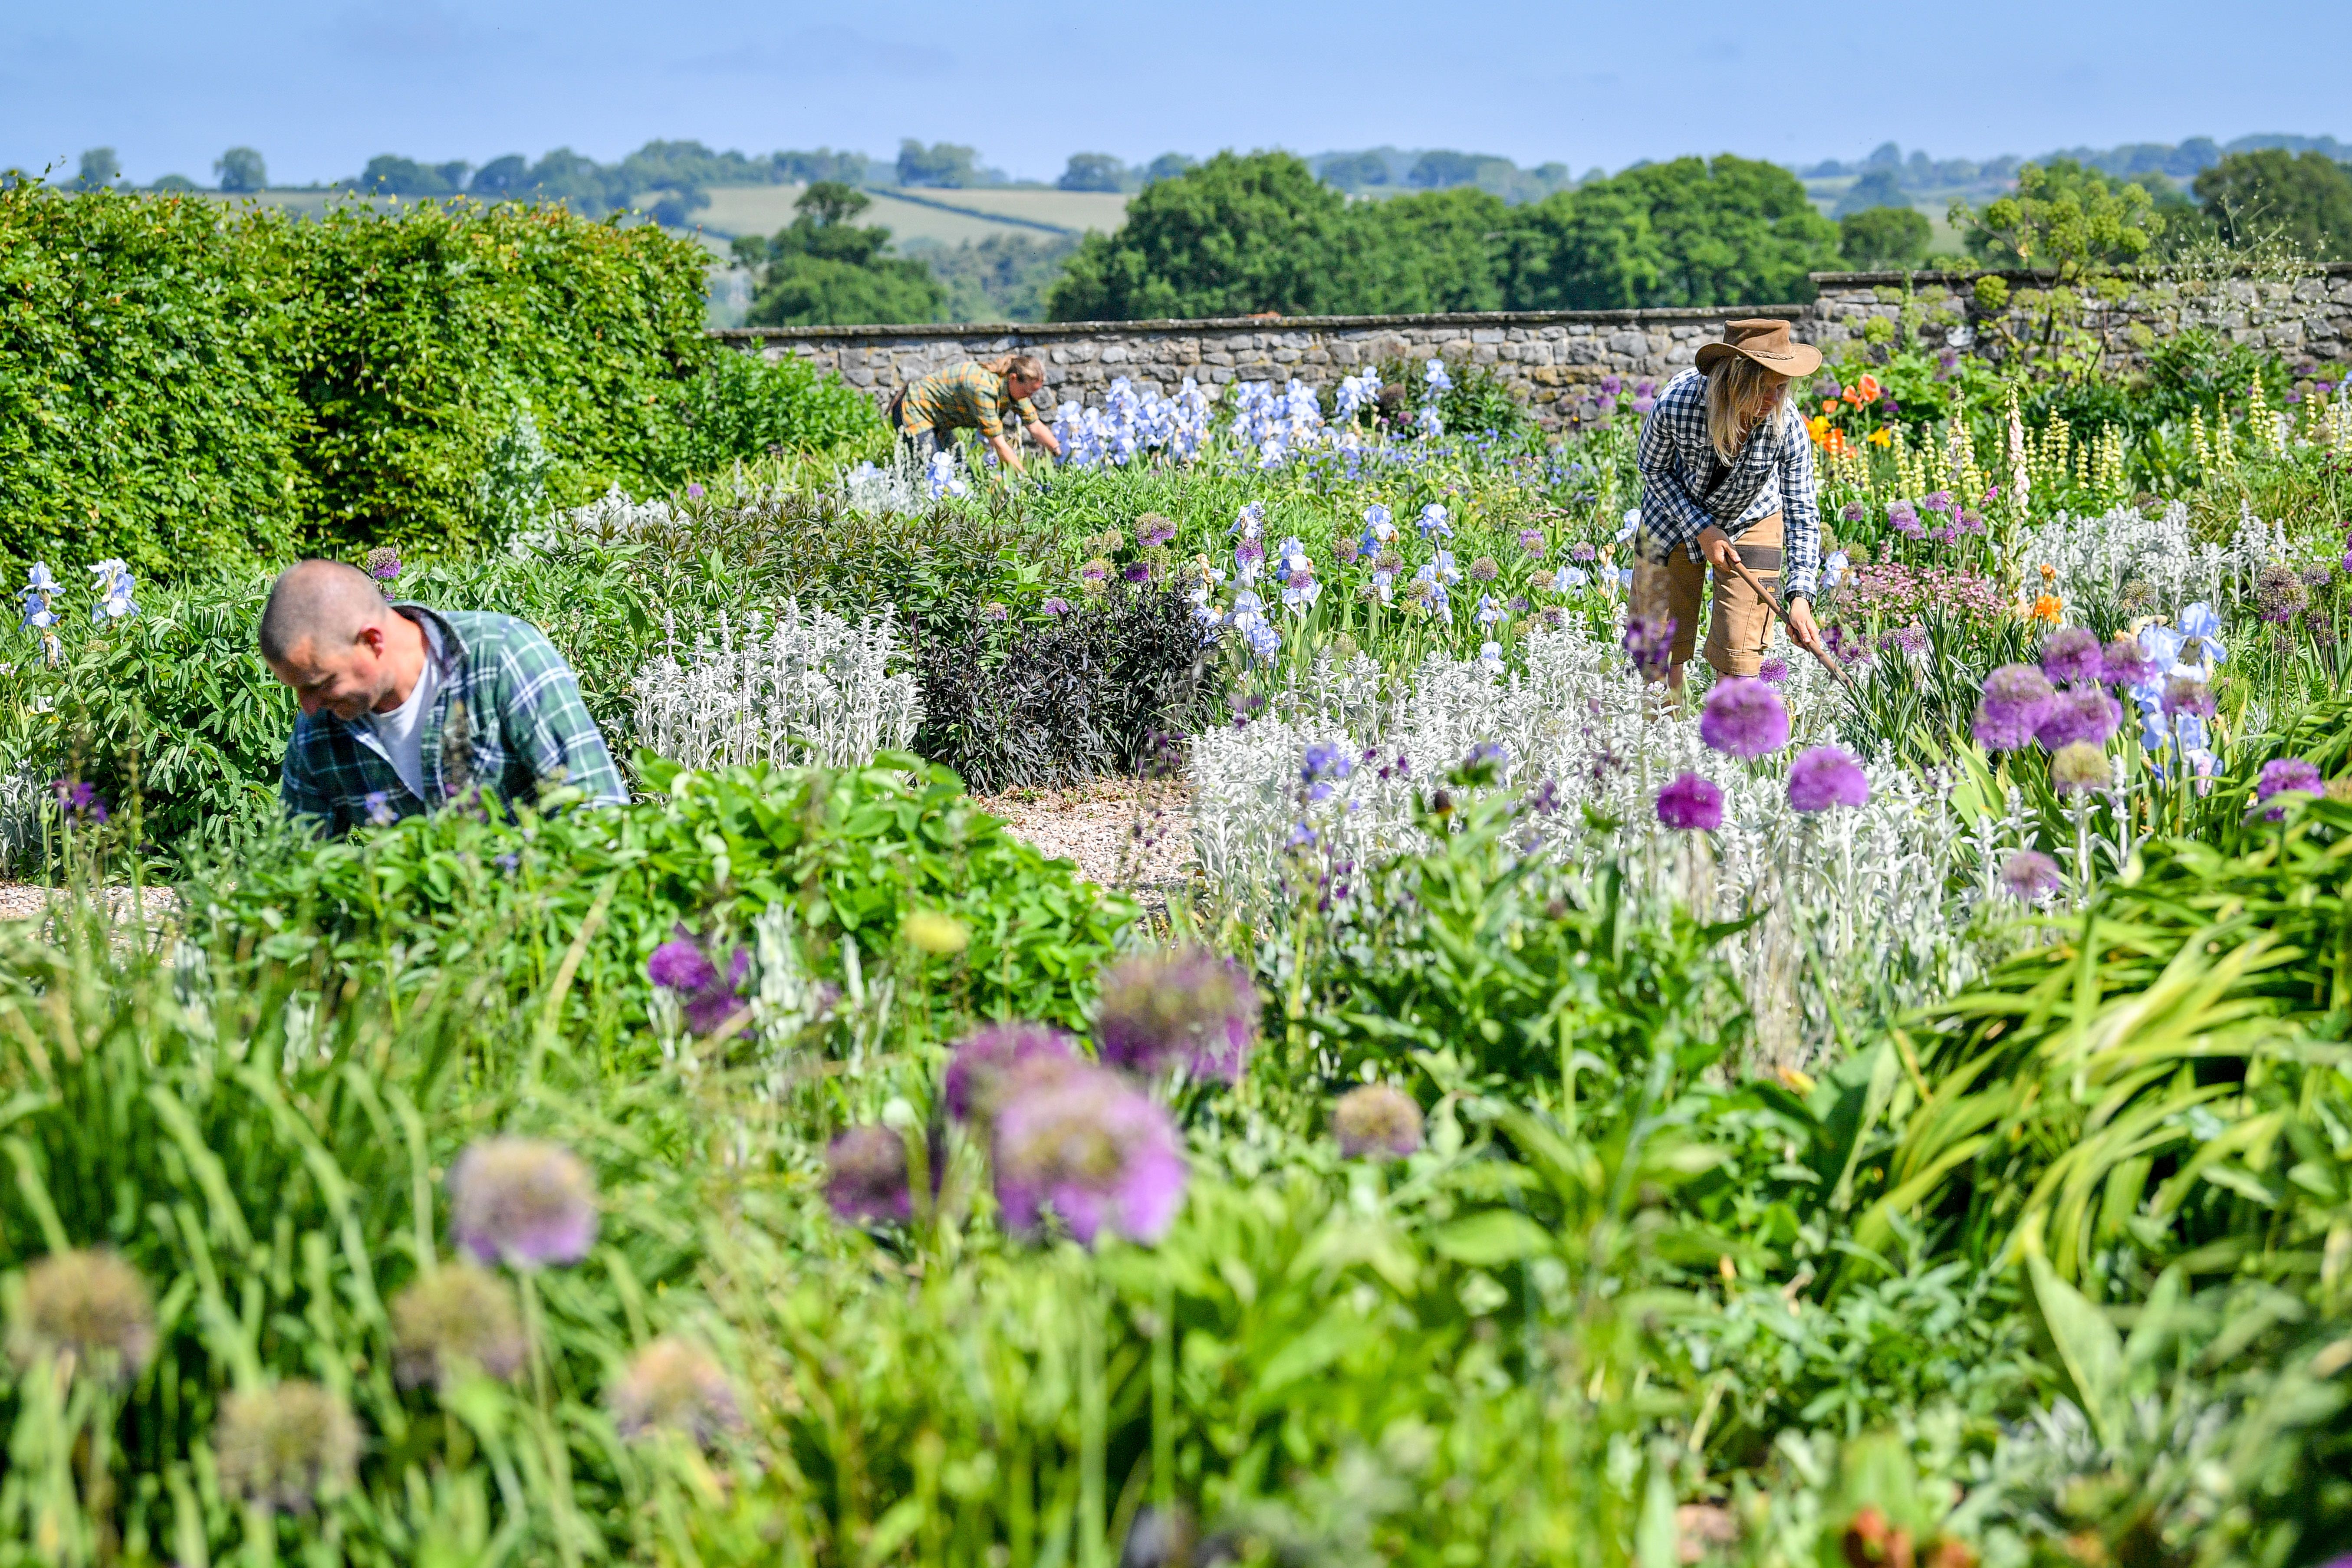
(370, 638)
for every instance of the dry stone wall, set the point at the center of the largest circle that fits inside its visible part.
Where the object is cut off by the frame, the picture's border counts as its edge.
(1552, 357)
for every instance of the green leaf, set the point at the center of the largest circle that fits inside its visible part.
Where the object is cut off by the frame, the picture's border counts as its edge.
(1496, 1235)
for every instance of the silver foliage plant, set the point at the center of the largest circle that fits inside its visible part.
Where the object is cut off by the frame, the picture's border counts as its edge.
(2095, 557)
(808, 687)
(1858, 887)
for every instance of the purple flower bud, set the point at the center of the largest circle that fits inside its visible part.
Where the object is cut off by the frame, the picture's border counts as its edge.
(1745, 718)
(1189, 1008)
(2029, 875)
(2287, 775)
(984, 1062)
(522, 1202)
(1824, 777)
(2017, 696)
(1691, 803)
(1087, 1147)
(2072, 653)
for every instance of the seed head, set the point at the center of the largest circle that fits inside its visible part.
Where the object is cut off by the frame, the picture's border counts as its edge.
(285, 1447)
(1094, 1151)
(1376, 1120)
(457, 1319)
(92, 1305)
(2029, 875)
(2079, 766)
(672, 1386)
(522, 1202)
(1484, 569)
(2279, 594)
(1189, 1007)
(2185, 694)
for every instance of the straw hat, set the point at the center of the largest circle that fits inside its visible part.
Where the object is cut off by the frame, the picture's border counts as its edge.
(1765, 342)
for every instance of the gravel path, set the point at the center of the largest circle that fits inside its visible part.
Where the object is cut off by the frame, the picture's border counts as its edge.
(31, 902)
(1128, 833)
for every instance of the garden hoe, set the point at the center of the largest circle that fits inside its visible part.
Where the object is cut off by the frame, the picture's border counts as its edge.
(1828, 663)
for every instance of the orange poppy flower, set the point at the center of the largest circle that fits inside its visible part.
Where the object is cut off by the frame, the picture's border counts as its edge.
(2048, 608)
(1868, 387)
(1829, 404)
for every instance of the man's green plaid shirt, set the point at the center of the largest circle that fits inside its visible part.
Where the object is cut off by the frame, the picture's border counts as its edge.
(508, 718)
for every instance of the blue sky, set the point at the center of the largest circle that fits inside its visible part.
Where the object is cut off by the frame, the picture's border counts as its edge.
(320, 87)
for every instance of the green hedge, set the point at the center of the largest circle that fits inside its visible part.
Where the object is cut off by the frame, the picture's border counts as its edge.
(185, 382)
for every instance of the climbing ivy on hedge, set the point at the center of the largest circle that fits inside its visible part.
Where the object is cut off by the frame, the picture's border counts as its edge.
(184, 383)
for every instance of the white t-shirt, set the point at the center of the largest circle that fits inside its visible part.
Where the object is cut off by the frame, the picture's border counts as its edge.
(400, 734)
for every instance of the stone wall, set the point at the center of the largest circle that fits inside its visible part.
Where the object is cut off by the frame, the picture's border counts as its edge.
(1549, 356)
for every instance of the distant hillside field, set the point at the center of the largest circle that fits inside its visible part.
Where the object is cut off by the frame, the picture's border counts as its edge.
(763, 209)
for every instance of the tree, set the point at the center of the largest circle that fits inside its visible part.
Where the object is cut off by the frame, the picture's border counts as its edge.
(502, 179)
(1884, 240)
(1236, 236)
(241, 169)
(823, 270)
(1590, 249)
(100, 170)
(173, 183)
(2064, 216)
(1093, 171)
(1442, 170)
(389, 174)
(1878, 187)
(1425, 253)
(1355, 170)
(1729, 232)
(942, 163)
(2305, 201)
(1167, 165)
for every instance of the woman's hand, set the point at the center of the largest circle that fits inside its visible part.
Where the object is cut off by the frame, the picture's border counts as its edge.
(1715, 547)
(1803, 627)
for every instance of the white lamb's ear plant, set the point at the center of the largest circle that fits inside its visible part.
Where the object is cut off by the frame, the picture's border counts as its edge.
(814, 690)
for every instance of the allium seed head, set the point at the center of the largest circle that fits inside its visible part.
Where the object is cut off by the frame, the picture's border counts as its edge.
(2279, 594)
(866, 1175)
(2185, 694)
(457, 1318)
(1745, 718)
(522, 1202)
(1485, 570)
(1691, 803)
(674, 1387)
(90, 1305)
(2077, 766)
(1824, 777)
(2029, 875)
(989, 1058)
(285, 1447)
(1376, 1120)
(1188, 1007)
(2017, 697)
(1090, 1147)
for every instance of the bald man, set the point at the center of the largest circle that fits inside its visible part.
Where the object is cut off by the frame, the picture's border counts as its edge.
(407, 709)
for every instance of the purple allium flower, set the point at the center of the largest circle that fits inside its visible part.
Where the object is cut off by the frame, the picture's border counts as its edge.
(2282, 774)
(1855, 512)
(866, 1175)
(88, 1309)
(2085, 714)
(1582, 552)
(1903, 517)
(2072, 653)
(1773, 671)
(1485, 570)
(1911, 639)
(1650, 644)
(1643, 404)
(382, 563)
(1057, 605)
(993, 611)
(2126, 662)
(1824, 777)
(2029, 875)
(1745, 718)
(1532, 543)
(1374, 1119)
(1611, 386)
(286, 1447)
(2279, 595)
(681, 965)
(674, 1387)
(1092, 1149)
(989, 1058)
(2017, 697)
(455, 1319)
(77, 797)
(1152, 530)
(693, 491)
(1939, 501)
(1189, 1007)
(1691, 803)
(2077, 766)
(2186, 694)
(1137, 571)
(1099, 569)
(522, 1202)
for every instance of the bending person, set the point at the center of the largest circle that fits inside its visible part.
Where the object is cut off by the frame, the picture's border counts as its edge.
(405, 709)
(1728, 475)
(974, 397)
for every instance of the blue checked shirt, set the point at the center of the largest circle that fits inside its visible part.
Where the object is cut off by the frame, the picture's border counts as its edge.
(1686, 488)
(507, 717)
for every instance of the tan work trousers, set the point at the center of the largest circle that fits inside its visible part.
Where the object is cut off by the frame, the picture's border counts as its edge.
(1741, 629)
